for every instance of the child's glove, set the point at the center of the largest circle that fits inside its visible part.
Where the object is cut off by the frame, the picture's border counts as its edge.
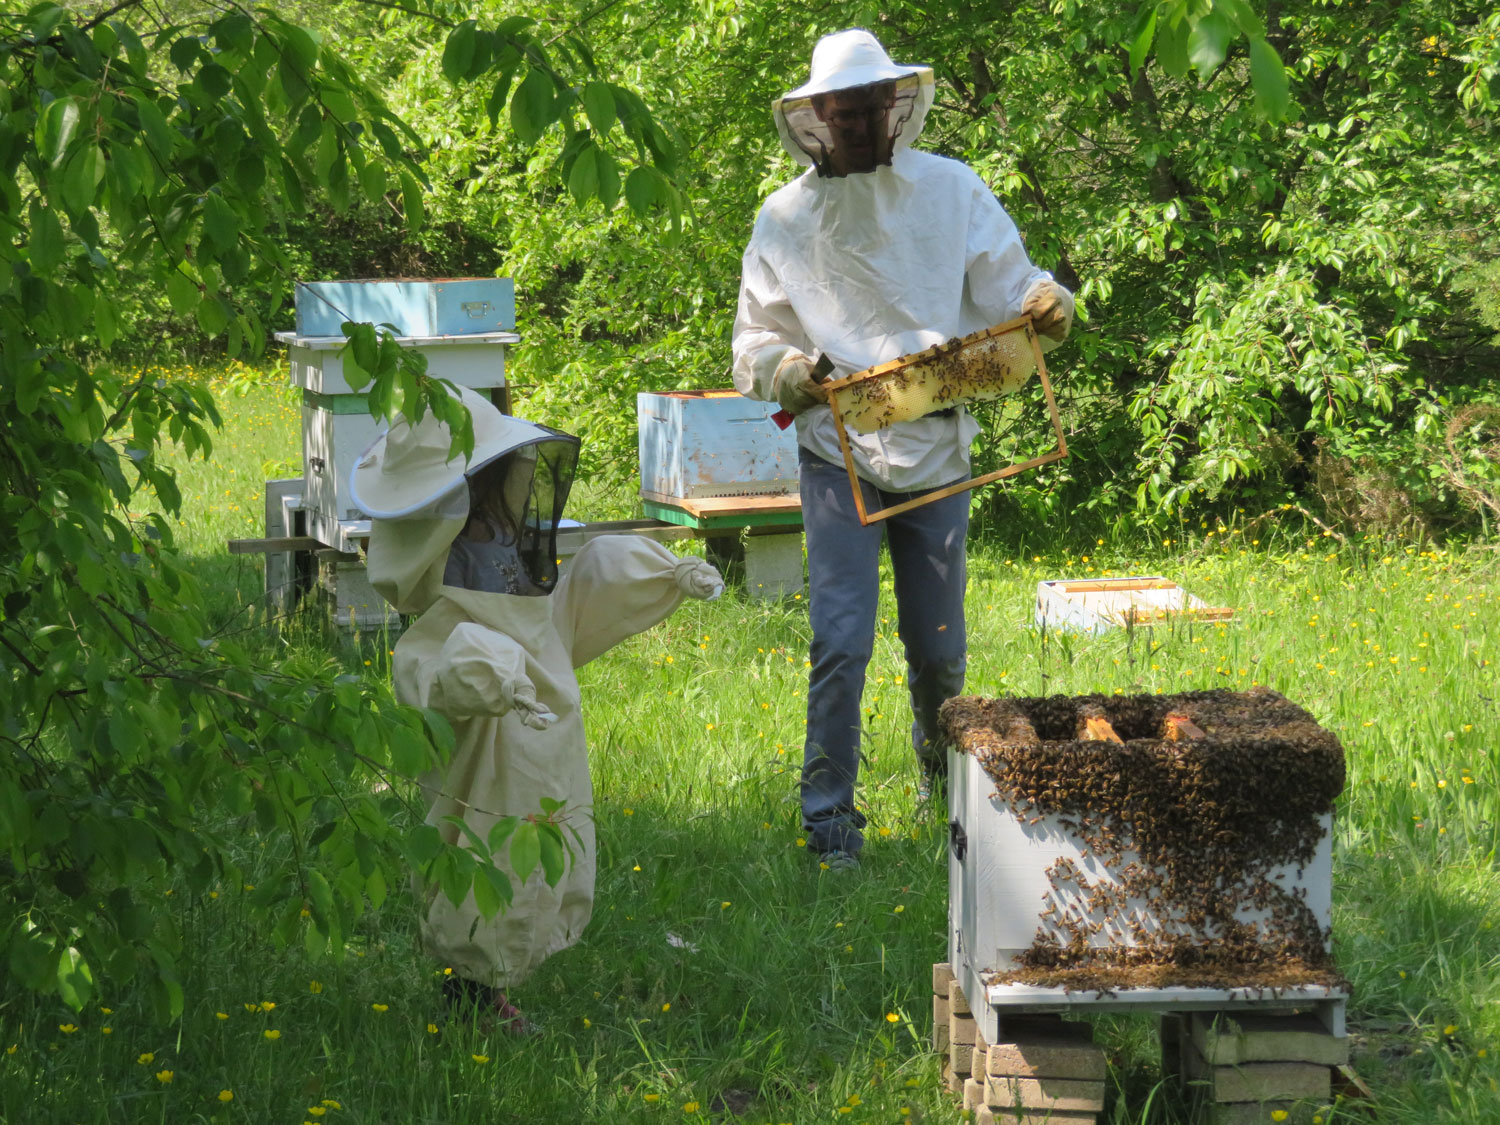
(699, 579)
(532, 713)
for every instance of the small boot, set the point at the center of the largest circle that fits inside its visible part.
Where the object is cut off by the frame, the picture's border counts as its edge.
(487, 1007)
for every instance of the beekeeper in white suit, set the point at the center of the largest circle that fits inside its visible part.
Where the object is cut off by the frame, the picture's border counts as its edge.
(470, 545)
(878, 250)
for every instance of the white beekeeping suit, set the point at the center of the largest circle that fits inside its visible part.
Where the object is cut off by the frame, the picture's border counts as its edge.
(494, 651)
(868, 267)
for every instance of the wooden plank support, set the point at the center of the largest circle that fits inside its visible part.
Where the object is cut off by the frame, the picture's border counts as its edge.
(1177, 727)
(274, 546)
(1094, 726)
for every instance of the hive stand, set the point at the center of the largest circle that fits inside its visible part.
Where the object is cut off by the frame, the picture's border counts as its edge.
(1235, 1068)
(1042, 1069)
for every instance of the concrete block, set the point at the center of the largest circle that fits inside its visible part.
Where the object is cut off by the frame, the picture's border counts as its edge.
(1256, 1082)
(1065, 1095)
(973, 1094)
(773, 565)
(957, 1003)
(942, 975)
(940, 1023)
(1247, 1037)
(961, 1029)
(989, 1115)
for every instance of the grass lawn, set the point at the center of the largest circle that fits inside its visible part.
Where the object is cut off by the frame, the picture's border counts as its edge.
(724, 973)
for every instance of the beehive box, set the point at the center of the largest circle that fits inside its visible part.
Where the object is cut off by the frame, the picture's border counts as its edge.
(699, 444)
(1190, 855)
(454, 306)
(1096, 605)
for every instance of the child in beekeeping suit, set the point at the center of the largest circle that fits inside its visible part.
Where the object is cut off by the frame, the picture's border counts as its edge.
(471, 547)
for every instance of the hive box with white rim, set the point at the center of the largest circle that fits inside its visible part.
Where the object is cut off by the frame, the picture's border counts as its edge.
(696, 444)
(1096, 605)
(462, 326)
(1031, 885)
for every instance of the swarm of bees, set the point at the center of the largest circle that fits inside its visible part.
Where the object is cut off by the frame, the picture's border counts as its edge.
(1188, 830)
(962, 370)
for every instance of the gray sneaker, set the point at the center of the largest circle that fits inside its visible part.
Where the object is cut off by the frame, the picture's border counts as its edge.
(838, 860)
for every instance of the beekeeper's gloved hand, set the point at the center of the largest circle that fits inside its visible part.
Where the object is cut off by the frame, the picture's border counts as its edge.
(532, 713)
(1050, 307)
(699, 579)
(796, 389)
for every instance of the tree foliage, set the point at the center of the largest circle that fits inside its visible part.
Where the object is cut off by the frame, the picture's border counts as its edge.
(143, 153)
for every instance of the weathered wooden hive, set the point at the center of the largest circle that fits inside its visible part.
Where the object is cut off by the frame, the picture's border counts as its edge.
(1174, 848)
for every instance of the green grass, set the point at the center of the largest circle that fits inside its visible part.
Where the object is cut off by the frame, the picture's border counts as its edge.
(723, 969)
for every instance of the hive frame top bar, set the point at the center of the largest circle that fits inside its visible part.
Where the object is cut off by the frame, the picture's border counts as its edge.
(331, 343)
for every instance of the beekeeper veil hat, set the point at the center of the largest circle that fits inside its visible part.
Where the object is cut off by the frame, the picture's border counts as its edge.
(845, 60)
(419, 496)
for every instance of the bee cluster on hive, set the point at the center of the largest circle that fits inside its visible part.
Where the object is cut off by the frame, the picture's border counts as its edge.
(1189, 831)
(977, 368)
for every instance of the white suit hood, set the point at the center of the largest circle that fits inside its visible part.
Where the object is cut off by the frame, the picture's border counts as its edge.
(841, 61)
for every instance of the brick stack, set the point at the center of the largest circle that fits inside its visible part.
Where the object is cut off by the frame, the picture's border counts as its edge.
(1047, 1070)
(1241, 1067)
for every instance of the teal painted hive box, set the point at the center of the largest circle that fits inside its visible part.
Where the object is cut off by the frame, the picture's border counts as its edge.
(455, 306)
(698, 444)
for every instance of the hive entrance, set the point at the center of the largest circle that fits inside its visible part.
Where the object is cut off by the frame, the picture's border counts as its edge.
(1185, 814)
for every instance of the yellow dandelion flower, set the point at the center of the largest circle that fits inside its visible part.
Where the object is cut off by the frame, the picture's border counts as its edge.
(480, 1059)
(315, 986)
(107, 1011)
(106, 1031)
(650, 1098)
(1450, 1029)
(381, 1007)
(330, 1103)
(67, 1028)
(666, 1007)
(432, 1029)
(316, 1110)
(164, 1077)
(1278, 1115)
(689, 1107)
(587, 1023)
(13, 1048)
(271, 1033)
(221, 1015)
(226, 1095)
(146, 1057)
(892, 1017)
(801, 842)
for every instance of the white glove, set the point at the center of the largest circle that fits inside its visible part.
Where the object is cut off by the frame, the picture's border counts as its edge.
(796, 389)
(1050, 307)
(699, 579)
(532, 713)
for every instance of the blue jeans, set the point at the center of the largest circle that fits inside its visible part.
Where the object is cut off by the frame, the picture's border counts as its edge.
(843, 566)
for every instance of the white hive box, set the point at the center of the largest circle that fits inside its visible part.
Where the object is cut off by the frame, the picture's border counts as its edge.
(699, 444)
(1096, 605)
(1005, 892)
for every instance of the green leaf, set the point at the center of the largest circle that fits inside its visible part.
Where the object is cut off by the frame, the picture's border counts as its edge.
(75, 980)
(410, 753)
(154, 125)
(54, 128)
(1267, 74)
(531, 107)
(47, 245)
(213, 314)
(1172, 48)
(583, 180)
(496, 101)
(411, 200)
(501, 831)
(553, 852)
(105, 326)
(1208, 42)
(486, 897)
(1145, 31)
(525, 851)
(182, 292)
(220, 223)
(458, 52)
(599, 104)
(1244, 17)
